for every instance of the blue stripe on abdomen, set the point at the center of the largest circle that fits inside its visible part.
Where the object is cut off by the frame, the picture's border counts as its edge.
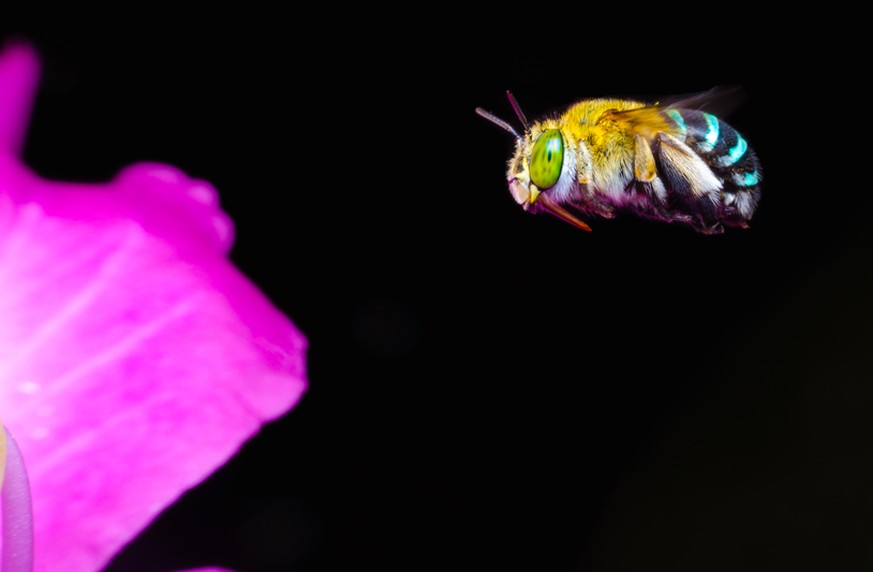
(736, 152)
(712, 131)
(678, 120)
(747, 179)
(717, 142)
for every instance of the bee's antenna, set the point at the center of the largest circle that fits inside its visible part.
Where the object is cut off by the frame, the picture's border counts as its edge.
(518, 112)
(499, 122)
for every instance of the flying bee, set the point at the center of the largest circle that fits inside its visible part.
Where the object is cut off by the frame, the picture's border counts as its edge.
(602, 157)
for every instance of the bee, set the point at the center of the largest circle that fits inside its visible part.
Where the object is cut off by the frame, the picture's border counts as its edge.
(602, 157)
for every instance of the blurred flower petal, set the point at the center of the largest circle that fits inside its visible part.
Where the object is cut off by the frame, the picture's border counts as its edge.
(134, 358)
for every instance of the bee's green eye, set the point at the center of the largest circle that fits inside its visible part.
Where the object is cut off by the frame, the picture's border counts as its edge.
(546, 159)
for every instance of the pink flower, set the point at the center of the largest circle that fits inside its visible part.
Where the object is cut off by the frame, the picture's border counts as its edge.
(135, 359)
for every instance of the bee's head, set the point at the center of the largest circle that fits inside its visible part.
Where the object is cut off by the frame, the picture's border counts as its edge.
(536, 166)
(541, 172)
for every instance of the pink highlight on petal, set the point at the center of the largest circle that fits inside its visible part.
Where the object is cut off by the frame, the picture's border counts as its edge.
(135, 359)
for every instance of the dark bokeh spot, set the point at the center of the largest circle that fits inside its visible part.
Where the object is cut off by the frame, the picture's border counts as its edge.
(385, 328)
(280, 533)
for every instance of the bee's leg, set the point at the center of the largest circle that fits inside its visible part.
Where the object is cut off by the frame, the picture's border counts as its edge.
(734, 212)
(649, 208)
(685, 173)
(644, 160)
(648, 186)
(692, 185)
(646, 173)
(708, 228)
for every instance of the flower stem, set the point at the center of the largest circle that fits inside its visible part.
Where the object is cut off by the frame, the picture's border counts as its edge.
(17, 513)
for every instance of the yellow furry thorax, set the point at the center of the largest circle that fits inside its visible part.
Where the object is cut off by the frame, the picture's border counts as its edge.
(595, 123)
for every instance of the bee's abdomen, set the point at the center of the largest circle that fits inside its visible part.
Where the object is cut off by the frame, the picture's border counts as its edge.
(729, 157)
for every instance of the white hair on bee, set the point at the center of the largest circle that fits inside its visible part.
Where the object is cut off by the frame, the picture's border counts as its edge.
(567, 184)
(745, 203)
(694, 170)
(613, 183)
(659, 190)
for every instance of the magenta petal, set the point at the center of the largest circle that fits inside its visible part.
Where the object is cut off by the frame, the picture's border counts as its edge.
(134, 358)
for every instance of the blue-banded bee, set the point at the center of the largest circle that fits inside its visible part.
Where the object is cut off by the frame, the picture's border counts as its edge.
(601, 157)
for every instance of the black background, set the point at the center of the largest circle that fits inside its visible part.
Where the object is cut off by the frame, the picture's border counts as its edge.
(492, 390)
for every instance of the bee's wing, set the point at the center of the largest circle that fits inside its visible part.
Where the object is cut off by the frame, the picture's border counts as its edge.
(644, 121)
(720, 101)
(650, 120)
